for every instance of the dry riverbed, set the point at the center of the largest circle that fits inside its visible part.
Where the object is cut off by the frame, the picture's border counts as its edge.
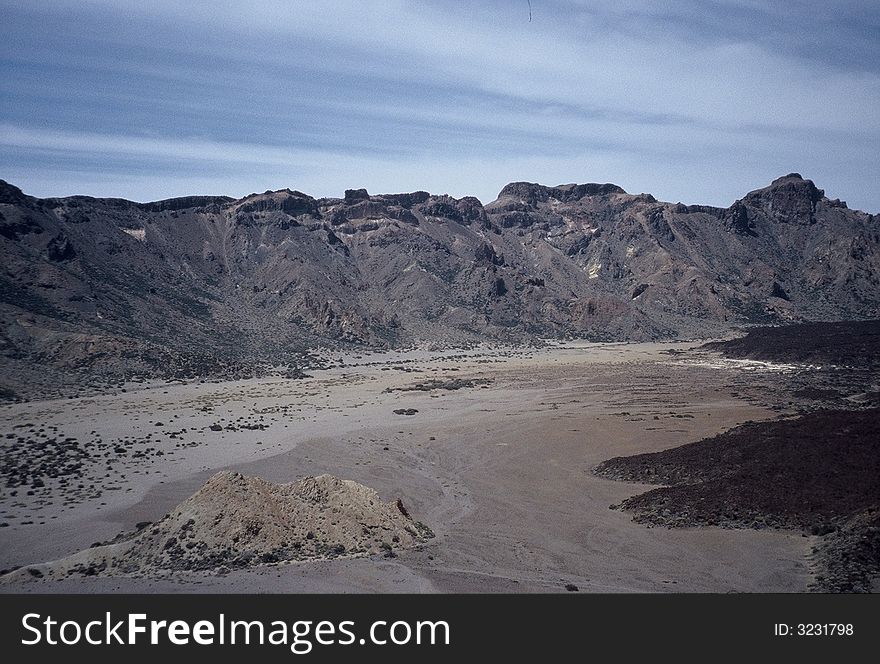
(493, 449)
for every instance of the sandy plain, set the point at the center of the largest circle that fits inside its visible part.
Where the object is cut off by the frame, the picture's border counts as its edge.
(501, 470)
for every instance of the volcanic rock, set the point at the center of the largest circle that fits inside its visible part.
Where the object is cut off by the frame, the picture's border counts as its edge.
(236, 521)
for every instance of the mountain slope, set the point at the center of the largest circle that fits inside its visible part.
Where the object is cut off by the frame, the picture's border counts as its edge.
(213, 285)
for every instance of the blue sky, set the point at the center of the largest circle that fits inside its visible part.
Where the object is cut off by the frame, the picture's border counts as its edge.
(692, 101)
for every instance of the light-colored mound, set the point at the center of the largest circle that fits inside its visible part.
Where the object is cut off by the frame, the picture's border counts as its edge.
(235, 521)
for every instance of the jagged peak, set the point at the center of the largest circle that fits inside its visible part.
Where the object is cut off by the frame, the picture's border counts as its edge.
(789, 187)
(9, 193)
(789, 199)
(293, 202)
(790, 176)
(356, 195)
(276, 194)
(405, 200)
(792, 182)
(526, 190)
(532, 192)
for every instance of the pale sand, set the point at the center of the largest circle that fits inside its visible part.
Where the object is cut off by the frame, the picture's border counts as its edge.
(505, 484)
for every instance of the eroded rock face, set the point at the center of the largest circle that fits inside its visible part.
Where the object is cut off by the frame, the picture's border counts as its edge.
(10, 194)
(789, 199)
(236, 521)
(200, 286)
(532, 193)
(60, 249)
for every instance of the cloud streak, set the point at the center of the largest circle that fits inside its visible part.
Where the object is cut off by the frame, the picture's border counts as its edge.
(699, 101)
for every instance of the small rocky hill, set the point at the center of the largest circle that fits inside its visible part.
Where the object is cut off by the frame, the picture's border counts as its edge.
(235, 521)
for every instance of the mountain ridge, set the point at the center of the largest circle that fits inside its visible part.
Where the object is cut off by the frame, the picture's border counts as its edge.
(204, 285)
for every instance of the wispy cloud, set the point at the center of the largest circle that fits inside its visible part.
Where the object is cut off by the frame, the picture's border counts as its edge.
(694, 100)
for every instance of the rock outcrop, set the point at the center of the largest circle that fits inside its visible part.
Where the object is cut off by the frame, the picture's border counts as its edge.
(235, 521)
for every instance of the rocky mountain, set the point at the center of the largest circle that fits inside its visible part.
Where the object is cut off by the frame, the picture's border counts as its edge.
(212, 285)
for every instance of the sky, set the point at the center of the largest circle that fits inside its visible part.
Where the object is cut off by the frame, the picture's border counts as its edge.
(692, 101)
